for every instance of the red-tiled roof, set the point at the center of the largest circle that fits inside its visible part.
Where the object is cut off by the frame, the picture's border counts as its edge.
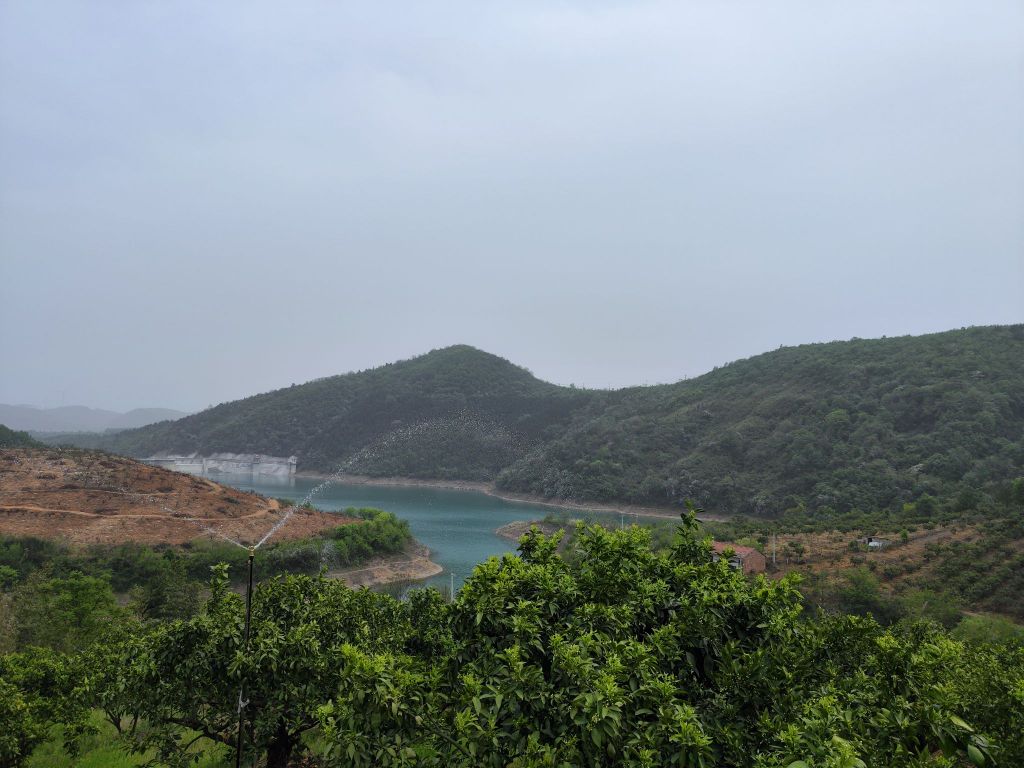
(721, 546)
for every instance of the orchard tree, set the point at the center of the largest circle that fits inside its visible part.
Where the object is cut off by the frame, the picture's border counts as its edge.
(38, 689)
(65, 614)
(608, 655)
(188, 675)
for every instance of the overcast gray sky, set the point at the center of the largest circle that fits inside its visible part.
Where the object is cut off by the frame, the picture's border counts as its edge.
(201, 201)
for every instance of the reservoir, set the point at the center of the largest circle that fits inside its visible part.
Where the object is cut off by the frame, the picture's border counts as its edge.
(457, 525)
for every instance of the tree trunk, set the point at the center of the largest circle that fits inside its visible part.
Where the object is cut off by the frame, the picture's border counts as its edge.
(279, 751)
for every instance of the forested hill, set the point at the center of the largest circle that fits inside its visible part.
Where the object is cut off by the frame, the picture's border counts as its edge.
(10, 438)
(861, 423)
(455, 413)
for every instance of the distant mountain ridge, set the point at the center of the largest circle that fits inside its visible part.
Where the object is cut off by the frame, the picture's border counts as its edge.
(861, 423)
(79, 418)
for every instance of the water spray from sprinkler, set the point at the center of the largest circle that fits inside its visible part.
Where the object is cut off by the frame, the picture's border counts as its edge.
(242, 701)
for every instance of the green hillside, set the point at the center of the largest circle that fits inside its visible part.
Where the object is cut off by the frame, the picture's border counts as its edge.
(10, 438)
(856, 424)
(454, 413)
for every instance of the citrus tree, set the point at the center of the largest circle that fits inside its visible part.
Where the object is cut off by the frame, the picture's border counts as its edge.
(607, 655)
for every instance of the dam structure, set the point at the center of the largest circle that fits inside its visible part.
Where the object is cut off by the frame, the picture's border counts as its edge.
(255, 464)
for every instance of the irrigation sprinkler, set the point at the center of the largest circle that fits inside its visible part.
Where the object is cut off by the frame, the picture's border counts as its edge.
(242, 703)
(329, 481)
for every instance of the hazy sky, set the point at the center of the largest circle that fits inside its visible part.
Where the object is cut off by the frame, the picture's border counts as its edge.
(201, 201)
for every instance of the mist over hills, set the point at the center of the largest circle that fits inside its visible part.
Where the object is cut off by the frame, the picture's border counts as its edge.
(854, 424)
(78, 418)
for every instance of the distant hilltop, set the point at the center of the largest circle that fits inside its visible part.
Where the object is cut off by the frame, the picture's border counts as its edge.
(866, 424)
(79, 418)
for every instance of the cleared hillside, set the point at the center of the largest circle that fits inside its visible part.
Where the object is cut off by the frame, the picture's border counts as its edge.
(863, 423)
(86, 497)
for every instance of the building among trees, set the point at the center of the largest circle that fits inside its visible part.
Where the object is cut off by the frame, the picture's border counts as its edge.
(746, 559)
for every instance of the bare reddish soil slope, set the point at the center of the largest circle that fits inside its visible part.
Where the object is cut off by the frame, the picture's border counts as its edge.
(87, 497)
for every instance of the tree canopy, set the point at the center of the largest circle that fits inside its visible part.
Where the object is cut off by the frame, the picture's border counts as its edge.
(614, 656)
(10, 438)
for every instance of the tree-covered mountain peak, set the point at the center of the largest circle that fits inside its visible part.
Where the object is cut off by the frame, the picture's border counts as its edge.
(472, 370)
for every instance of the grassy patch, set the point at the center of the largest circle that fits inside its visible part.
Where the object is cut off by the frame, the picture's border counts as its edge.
(105, 749)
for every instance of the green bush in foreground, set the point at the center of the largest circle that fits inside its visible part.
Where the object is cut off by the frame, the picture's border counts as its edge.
(617, 656)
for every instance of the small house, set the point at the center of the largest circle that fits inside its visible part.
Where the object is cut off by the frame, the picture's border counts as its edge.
(744, 559)
(873, 543)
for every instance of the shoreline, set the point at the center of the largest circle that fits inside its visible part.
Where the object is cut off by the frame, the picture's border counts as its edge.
(518, 528)
(412, 565)
(488, 488)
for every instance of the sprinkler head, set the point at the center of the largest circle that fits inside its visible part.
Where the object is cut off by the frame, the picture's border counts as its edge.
(252, 552)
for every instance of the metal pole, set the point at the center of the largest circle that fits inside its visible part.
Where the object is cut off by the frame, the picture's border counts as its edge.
(241, 691)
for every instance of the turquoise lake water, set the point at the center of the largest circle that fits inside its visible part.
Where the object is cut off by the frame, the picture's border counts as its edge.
(458, 526)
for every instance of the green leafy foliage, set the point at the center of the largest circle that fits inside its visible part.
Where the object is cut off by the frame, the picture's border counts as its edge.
(617, 655)
(38, 689)
(164, 582)
(10, 438)
(381, 533)
(190, 674)
(981, 629)
(64, 614)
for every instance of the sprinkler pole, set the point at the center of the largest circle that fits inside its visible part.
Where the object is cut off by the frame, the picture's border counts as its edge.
(241, 691)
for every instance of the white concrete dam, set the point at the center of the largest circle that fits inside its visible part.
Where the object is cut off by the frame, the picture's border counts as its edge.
(227, 463)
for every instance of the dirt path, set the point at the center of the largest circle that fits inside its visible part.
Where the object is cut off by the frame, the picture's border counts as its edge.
(391, 569)
(30, 508)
